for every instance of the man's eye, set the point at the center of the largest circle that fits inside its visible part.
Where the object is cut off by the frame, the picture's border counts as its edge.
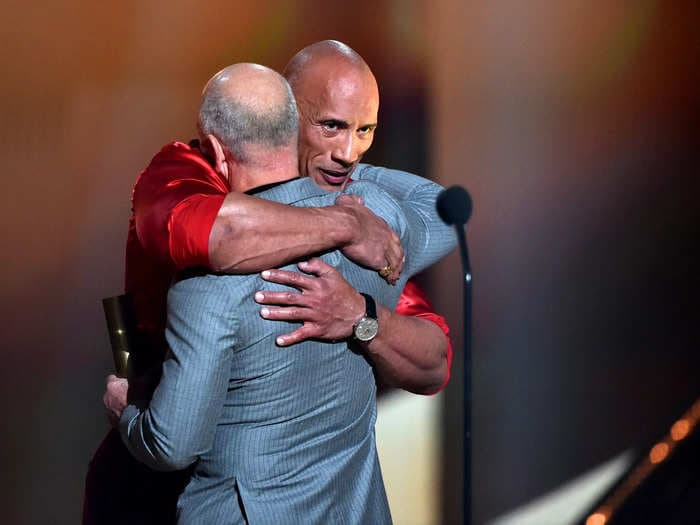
(365, 130)
(330, 125)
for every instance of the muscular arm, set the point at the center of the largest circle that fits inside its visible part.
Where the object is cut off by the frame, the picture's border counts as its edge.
(412, 351)
(409, 352)
(250, 234)
(185, 215)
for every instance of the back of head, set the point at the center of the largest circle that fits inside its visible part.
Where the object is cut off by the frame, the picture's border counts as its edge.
(246, 105)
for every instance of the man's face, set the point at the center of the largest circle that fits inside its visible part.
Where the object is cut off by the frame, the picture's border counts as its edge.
(337, 119)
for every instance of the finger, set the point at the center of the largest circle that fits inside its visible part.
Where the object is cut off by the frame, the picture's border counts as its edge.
(295, 279)
(395, 257)
(316, 266)
(289, 313)
(396, 250)
(280, 298)
(347, 198)
(297, 336)
(396, 271)
(392, 276)
(111, 378)
(401, 256)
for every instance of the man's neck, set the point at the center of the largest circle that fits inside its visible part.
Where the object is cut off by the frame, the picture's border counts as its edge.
(268, 167)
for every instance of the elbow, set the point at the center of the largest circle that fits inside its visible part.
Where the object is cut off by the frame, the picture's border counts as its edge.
(168, 459)
(224, 252)
(159, 452)
(434, 379)
(231, 266)
(433, 382)
(176, 453)
(221, 259)
(438, 375)
(219, 265)
(173, 462)
(421, 381)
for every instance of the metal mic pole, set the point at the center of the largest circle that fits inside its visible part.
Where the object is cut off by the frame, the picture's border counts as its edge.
(454, 205)
(467, 401)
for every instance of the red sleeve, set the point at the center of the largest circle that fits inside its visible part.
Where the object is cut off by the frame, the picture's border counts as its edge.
(414, 302)
(175, 202)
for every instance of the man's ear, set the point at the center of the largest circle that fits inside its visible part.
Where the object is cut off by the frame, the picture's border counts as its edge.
(213, 149)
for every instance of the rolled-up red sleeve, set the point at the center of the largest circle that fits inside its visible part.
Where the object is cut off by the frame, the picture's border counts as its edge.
(175, 203)
(414, 302)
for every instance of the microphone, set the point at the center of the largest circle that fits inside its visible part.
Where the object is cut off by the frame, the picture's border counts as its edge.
(454, 206)
(120, 321)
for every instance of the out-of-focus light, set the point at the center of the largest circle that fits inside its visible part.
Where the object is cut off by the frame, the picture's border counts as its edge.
(596, 519)
(658, 453)
(680, 429)
(695, 410)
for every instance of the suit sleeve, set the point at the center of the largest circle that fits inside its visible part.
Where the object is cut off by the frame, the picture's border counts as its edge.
(427, 238)
(178, 425)
(175, 202)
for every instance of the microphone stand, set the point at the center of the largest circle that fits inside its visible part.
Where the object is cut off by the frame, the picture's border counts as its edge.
(454, 205)
(467, 372)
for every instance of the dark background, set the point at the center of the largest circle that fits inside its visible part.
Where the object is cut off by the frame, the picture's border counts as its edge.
(574, 125)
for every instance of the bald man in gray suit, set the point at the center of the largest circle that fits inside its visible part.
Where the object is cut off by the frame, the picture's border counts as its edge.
(276, 435)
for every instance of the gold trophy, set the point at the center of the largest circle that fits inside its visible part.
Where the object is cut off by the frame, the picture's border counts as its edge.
(120, 324)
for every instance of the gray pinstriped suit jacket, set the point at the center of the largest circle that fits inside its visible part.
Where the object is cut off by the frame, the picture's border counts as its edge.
(280, 435)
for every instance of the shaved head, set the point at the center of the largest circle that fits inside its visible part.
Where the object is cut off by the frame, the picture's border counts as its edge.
(248, 104)
(326, 51)
(338, 100)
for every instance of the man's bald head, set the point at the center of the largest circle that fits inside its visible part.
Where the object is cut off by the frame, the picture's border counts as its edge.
(248, 104)
(338, 101)
(326, 52)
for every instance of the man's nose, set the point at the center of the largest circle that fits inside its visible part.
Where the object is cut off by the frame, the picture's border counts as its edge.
(345, 151)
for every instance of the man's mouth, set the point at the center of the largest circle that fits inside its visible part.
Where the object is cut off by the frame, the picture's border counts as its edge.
(334, 178)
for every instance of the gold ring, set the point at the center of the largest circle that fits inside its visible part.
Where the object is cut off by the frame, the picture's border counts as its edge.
(386, 271)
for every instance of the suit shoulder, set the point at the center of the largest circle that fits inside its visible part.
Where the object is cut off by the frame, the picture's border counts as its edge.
(400, 184)
(298, 192)
(378, 173)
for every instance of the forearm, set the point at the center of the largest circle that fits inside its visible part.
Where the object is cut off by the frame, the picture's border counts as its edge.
(411, 349)
(409, 352)
(251, 234)
(178, 424)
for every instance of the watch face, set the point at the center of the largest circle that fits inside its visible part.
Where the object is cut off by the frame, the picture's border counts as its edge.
(366, 329)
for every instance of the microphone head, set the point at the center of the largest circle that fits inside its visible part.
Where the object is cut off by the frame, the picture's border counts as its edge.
(454, 205)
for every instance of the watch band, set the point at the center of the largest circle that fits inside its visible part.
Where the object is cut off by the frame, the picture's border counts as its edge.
(370, 306)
